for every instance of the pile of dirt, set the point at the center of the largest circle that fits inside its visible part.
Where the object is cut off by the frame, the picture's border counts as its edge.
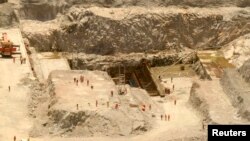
(245, 71)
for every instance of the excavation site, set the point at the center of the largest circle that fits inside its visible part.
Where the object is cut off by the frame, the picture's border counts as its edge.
(123, 70)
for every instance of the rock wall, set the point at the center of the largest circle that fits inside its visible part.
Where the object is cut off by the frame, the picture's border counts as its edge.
(3, 1)
(245, 71)
(35, 9)
(199, 103)
(91, 33)
(122, 3)
(41, 10)
(7, 15)
(238, 91)
(99, 62)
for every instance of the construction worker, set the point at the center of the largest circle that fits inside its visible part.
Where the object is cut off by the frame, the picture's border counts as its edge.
(96, 103)
(14, 60)
(92, 87)
(76, 106)
(159, 77)
(168, 117)
(9, 88)
(112, 93)
(161, 117)
(87, 82)
(203, 126)
(149, 107)
(24, 60)
(21, 58)
(171, 79)
(77, 82)
(173, 87)
(143, 107)
(14, 138)
(116, 106)
(167, 91)
(165, 117)
(107, 104)
(81, 79)
(125, 91)
(74, 80)
(175, 102)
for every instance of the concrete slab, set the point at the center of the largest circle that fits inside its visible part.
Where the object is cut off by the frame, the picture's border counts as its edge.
(50, 61)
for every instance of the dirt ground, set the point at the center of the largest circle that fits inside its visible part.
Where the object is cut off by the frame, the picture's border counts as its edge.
(40, 100)
(14, 117)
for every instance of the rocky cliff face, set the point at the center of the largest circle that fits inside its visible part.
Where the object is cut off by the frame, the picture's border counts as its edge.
(3, 1)
(35, 9)
(88, 32)
(7, 15)
(245, 71)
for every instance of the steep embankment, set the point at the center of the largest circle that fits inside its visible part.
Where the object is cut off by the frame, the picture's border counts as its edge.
(245, 71)
(236, 85)
(238, 51)
(108, 31)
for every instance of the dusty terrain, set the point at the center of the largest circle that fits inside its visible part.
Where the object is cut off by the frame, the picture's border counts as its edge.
(172, 67)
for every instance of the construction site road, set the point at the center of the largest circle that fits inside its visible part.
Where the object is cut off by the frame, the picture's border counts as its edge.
(13, 95)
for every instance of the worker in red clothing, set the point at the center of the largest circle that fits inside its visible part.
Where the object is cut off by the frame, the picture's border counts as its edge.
(116, 106)
(143, 108)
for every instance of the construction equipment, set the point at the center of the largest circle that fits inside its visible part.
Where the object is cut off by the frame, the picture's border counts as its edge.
(7, 48)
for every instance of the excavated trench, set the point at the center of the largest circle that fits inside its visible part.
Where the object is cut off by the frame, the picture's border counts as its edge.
(136, 72)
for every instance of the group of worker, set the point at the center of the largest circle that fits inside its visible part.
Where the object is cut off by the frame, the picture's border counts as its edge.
(166, 117)
(76, 81)
(144, 107)
(22, 60)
